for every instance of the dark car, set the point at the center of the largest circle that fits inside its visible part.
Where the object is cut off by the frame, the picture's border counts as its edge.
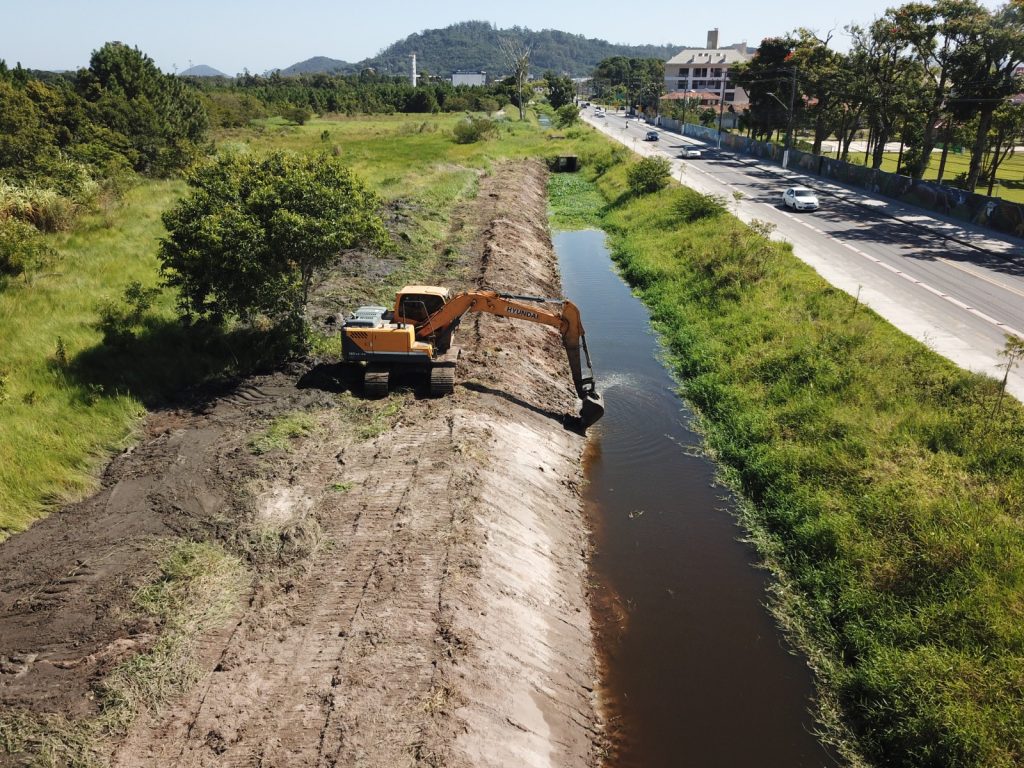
(651, 136)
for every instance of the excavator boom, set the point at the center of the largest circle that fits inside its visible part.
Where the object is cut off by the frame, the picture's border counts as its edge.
(419, 331)
(566, 319)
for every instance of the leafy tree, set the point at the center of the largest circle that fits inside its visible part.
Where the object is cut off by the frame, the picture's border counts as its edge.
(648, 175)
(160, 117)
(707, 117)
(767, 79)
(567, 114)
(255, 233)
(422, 100)
(561, 90)
(26, 142)
(984, 69)
(637, 81)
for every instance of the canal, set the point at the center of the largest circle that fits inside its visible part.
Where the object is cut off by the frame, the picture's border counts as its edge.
(696, 672)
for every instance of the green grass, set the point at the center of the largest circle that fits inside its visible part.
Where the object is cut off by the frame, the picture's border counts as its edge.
(279, 435)
(881, 484)
(1009, 178)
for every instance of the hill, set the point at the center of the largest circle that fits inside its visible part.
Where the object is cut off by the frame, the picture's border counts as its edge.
(201, 70)
(321, 64)
(474, 45)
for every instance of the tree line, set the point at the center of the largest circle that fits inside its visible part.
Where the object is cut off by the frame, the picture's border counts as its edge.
(930, 75)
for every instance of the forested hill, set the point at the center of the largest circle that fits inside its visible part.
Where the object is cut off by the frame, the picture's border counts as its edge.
(474, 45)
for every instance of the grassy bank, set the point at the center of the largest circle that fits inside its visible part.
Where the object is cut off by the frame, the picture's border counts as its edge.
(68, 398)
(885, 485)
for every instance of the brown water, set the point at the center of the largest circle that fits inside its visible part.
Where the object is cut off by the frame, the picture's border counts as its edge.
(696, 671)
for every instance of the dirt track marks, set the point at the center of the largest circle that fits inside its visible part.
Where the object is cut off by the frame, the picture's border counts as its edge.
(344, 670)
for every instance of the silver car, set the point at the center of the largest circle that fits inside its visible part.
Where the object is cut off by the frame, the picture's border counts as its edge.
(800, 199)
(689, 151)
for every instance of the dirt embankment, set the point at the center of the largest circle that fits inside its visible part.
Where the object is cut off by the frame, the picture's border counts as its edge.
(437, 614)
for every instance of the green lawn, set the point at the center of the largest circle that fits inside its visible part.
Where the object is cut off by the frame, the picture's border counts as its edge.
(1009, 178)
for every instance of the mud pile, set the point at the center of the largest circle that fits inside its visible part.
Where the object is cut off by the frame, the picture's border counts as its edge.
(441, 619)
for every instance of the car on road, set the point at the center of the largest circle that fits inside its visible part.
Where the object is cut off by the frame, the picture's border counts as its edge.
(800, 199)
(651, 136)
(599, 114)
(689, 152)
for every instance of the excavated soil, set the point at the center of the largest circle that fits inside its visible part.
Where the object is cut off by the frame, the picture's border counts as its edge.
(439, 618)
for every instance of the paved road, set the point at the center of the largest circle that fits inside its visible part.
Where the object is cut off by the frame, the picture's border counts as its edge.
(957, 288)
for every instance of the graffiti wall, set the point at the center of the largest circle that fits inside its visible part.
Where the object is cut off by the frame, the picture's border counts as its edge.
(980, 210)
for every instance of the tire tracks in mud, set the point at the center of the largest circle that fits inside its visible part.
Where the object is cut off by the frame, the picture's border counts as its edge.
(444, 619)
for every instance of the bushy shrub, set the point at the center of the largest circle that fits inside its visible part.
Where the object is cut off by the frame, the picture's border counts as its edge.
(119, 321)
(297, 114)
(474, 129)
(693, 206)
(648, 175)
(566, 115)
(22, 248)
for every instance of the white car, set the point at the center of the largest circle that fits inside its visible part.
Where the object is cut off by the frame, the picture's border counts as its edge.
(800, 199)
(689, 152)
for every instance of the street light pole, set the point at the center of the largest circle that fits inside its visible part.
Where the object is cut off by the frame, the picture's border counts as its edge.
(789, 127)
(721, 107)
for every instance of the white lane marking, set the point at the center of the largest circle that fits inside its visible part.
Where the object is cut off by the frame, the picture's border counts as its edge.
(981, 276)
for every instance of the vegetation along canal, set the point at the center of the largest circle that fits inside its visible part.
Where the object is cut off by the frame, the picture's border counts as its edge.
(696, 671)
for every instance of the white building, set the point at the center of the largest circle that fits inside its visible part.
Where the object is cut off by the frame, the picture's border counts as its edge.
(468, 77)
(706, 70)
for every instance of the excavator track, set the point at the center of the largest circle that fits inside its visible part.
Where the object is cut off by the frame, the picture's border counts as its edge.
(375, 382)
(442, 380)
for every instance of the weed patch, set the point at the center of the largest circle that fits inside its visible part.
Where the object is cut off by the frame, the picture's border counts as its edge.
(282, 431)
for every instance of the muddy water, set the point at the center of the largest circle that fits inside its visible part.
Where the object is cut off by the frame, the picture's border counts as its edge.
(696, 671)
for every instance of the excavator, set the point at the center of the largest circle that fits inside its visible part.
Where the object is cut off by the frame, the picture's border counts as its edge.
(418, 333)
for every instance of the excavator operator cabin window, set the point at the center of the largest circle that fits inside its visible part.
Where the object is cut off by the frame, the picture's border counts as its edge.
(417, 308)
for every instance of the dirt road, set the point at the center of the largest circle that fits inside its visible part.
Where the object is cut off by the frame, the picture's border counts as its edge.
(431, 607)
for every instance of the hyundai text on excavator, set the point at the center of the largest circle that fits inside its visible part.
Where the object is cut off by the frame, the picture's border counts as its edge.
(418, 334)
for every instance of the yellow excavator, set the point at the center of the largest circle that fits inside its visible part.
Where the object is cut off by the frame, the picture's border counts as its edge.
(418, 334)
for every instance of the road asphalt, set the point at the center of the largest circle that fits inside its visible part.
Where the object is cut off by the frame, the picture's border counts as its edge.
(955, 287)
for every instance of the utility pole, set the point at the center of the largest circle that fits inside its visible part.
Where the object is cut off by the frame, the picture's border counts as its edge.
(721, 105)
(789, 127)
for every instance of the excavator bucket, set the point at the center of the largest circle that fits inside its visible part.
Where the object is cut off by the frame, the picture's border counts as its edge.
(592, 410)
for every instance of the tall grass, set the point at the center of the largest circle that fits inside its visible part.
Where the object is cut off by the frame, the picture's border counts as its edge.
(882, 484)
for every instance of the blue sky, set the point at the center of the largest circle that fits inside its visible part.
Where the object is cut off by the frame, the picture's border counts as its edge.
(264, 34)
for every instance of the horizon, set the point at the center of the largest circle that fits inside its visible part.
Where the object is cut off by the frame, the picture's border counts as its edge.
(233, 37)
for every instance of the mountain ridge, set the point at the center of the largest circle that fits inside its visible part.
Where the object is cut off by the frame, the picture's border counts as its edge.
(474, 45)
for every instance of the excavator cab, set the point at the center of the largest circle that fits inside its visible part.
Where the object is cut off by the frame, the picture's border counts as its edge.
(415, 303)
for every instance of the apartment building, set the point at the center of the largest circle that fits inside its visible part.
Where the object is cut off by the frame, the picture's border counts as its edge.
(703, 73)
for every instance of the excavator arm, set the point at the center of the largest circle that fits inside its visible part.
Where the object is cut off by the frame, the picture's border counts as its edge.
(566, 319)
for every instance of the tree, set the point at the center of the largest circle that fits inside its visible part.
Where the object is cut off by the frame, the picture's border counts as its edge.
(984, 69)
(160, 116)
(567, 114)
(25, 140)
(637, 81)
(767, 79)
(255, 233)
(517, 58)
(561, 90)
